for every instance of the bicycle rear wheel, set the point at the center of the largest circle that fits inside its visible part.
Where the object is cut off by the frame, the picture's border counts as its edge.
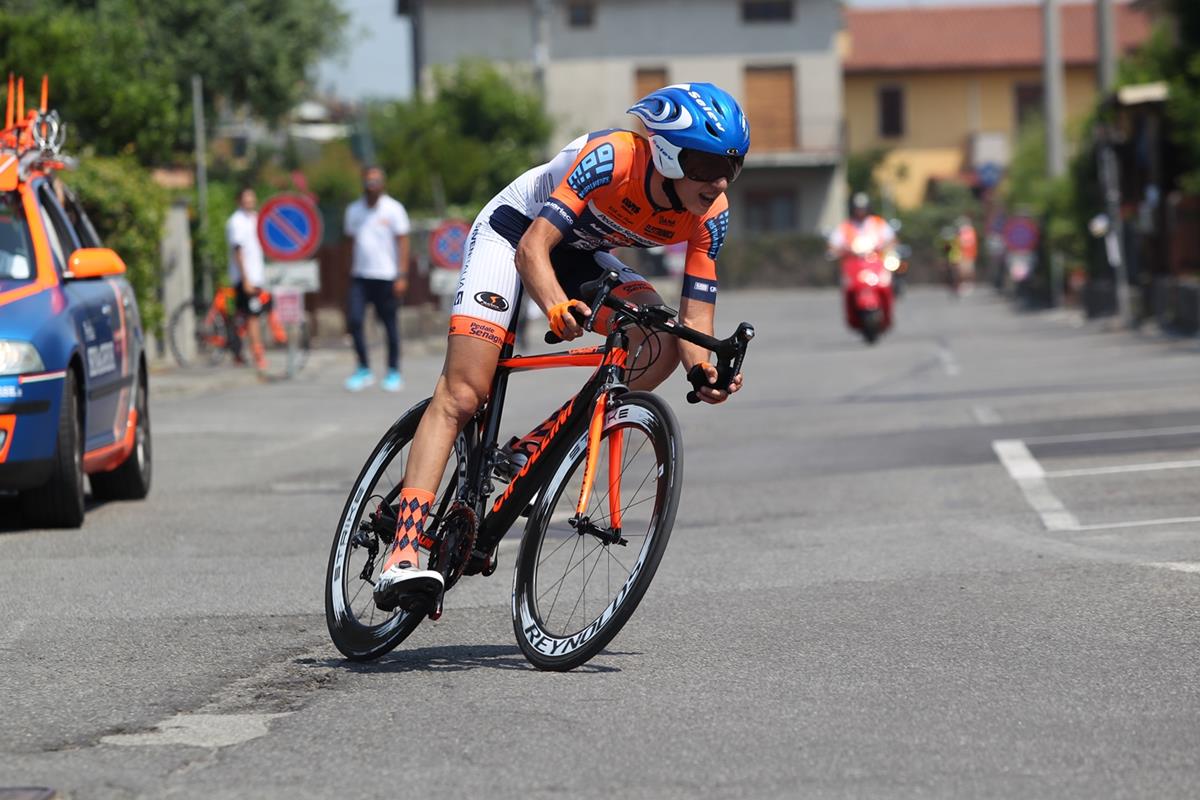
(574, 588)
(368, 522)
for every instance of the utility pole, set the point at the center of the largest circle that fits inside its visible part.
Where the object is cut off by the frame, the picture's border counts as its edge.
(541, 45)
(541, 48)
(1106, 46)
(1052, 89)
(201, 176)
(418, 45)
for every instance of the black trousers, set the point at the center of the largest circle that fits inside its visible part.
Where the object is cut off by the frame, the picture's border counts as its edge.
(380, 294)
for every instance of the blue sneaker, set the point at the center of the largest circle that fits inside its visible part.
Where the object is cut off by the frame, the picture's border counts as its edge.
(361, 379)
(393, 382)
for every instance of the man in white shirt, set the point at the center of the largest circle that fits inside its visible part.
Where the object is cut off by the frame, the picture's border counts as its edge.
(246, 271)
(378, 226)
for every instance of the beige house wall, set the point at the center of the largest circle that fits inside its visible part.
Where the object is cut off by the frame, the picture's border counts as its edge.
(942, 112)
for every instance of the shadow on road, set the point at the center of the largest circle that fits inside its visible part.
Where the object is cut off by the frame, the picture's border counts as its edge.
(451, 658)
(13, 521)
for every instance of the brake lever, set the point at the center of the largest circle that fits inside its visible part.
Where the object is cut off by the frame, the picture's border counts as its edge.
(730, 356)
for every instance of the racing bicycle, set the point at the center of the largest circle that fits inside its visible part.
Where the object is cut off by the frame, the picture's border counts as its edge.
(599, 492)
(208, 333)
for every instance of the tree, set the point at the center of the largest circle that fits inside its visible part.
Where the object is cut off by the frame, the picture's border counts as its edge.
(111, 103)
(479, 132)
(123, 68)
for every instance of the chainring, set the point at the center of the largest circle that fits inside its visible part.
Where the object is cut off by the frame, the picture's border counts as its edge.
(453, 548)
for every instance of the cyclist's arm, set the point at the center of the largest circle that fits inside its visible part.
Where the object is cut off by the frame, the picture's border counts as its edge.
(697, 302)
(533, 264)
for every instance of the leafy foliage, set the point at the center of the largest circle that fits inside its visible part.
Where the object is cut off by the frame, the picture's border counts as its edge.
(110, 101)
(128, 208)
(121, 70)
(479, 132)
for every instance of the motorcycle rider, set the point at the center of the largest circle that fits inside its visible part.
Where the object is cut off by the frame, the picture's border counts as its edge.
(862, 223)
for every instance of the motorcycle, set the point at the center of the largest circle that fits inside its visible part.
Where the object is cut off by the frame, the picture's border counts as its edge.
(867, 289)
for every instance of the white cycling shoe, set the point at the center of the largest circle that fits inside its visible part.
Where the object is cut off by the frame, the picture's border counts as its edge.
(407, 586)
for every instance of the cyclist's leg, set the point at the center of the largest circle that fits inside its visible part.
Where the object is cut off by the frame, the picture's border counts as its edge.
(477, 331)
(250, 308)
(356, 312)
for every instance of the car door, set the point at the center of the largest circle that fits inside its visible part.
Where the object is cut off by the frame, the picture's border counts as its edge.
(96, 309)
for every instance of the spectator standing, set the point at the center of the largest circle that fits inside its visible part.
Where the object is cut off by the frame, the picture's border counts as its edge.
(247, 273)
(378, 226)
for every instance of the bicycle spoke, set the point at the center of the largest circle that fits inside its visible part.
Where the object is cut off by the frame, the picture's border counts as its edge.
(560, 580)
(582, 595)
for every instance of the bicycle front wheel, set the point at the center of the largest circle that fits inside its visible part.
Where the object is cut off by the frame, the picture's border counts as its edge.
(577, 584)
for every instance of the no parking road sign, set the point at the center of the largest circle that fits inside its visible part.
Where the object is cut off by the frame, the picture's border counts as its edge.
(1021, 234)
(289, 227)
(447, 242)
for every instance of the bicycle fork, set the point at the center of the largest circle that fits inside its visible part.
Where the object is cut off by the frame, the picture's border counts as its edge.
(580, 522)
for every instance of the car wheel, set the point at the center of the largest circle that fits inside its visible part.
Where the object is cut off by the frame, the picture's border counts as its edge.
(59, 503)
(131, 480)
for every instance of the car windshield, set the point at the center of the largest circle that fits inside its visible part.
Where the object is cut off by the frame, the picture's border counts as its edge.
(16, 249)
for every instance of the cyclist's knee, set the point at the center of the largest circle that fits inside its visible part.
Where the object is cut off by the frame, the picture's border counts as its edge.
(640, 292)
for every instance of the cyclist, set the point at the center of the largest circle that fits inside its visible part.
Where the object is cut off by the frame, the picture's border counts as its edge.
(550, 231)
(246, 269)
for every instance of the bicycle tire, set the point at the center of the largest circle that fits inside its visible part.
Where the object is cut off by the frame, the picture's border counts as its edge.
(554, 645)
(202, 334)
(359, 638)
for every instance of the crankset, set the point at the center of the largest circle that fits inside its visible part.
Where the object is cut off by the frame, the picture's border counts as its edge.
(453, 543)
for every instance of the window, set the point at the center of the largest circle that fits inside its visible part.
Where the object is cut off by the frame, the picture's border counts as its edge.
(84, 230)
(1028, 97)
(769, 210)
(403, 8)
(57, 230)
(581, 14)
(891, 112)
(16, 248)
(647, 80)
(770, 105)
(766, 10)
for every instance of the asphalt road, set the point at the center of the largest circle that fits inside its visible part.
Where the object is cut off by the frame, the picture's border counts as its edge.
(961, 563)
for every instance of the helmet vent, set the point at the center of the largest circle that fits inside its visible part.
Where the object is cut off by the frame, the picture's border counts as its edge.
(708, 126)
(717, 105)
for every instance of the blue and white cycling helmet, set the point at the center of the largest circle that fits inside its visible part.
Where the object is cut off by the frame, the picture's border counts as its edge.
(688, 119)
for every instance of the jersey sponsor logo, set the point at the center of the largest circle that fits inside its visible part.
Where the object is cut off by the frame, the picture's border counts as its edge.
(491, 300)
(718, 226)
(594, 171)
(485, 332)
(553, 209)
(701, 289)
(630, 206)
(618, 234)
(654, 230)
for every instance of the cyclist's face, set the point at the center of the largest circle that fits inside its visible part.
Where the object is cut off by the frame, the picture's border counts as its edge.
(698, 196)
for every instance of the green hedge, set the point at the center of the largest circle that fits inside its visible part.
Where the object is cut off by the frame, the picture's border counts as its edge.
(128, 209)
(759, 259)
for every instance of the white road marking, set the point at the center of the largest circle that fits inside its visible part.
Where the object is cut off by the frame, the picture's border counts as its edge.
(314, 487)
(1030, 476)
(199, 730)
(1177, 566)
(1144, 433)
(1118, 469)
(1139, 523)
(949, 364)
(986, 415)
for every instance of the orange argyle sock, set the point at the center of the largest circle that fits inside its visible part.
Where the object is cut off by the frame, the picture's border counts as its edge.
(410, 526)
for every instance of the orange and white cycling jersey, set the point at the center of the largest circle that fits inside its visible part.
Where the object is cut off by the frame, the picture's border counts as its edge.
(596, 191)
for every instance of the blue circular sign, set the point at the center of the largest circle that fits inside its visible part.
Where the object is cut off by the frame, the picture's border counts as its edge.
(289, 227)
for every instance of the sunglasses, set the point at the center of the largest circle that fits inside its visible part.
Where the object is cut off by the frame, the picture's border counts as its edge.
(709, 167)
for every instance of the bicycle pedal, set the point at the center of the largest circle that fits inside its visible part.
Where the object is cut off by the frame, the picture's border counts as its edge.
(435, 613)
(482, 563)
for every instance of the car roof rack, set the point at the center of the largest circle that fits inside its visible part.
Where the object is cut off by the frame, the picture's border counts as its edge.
(31, 141)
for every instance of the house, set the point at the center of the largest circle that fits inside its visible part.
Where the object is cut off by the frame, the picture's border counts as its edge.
(597, 57)
(946, 90)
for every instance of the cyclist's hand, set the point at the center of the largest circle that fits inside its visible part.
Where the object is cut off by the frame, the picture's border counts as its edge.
(713, 394)
(565, 318)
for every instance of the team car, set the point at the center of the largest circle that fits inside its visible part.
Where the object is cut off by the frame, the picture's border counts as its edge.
(73, 380)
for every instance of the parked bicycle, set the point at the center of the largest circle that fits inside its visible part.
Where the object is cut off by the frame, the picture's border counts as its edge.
(219, 332)
(597, 527)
